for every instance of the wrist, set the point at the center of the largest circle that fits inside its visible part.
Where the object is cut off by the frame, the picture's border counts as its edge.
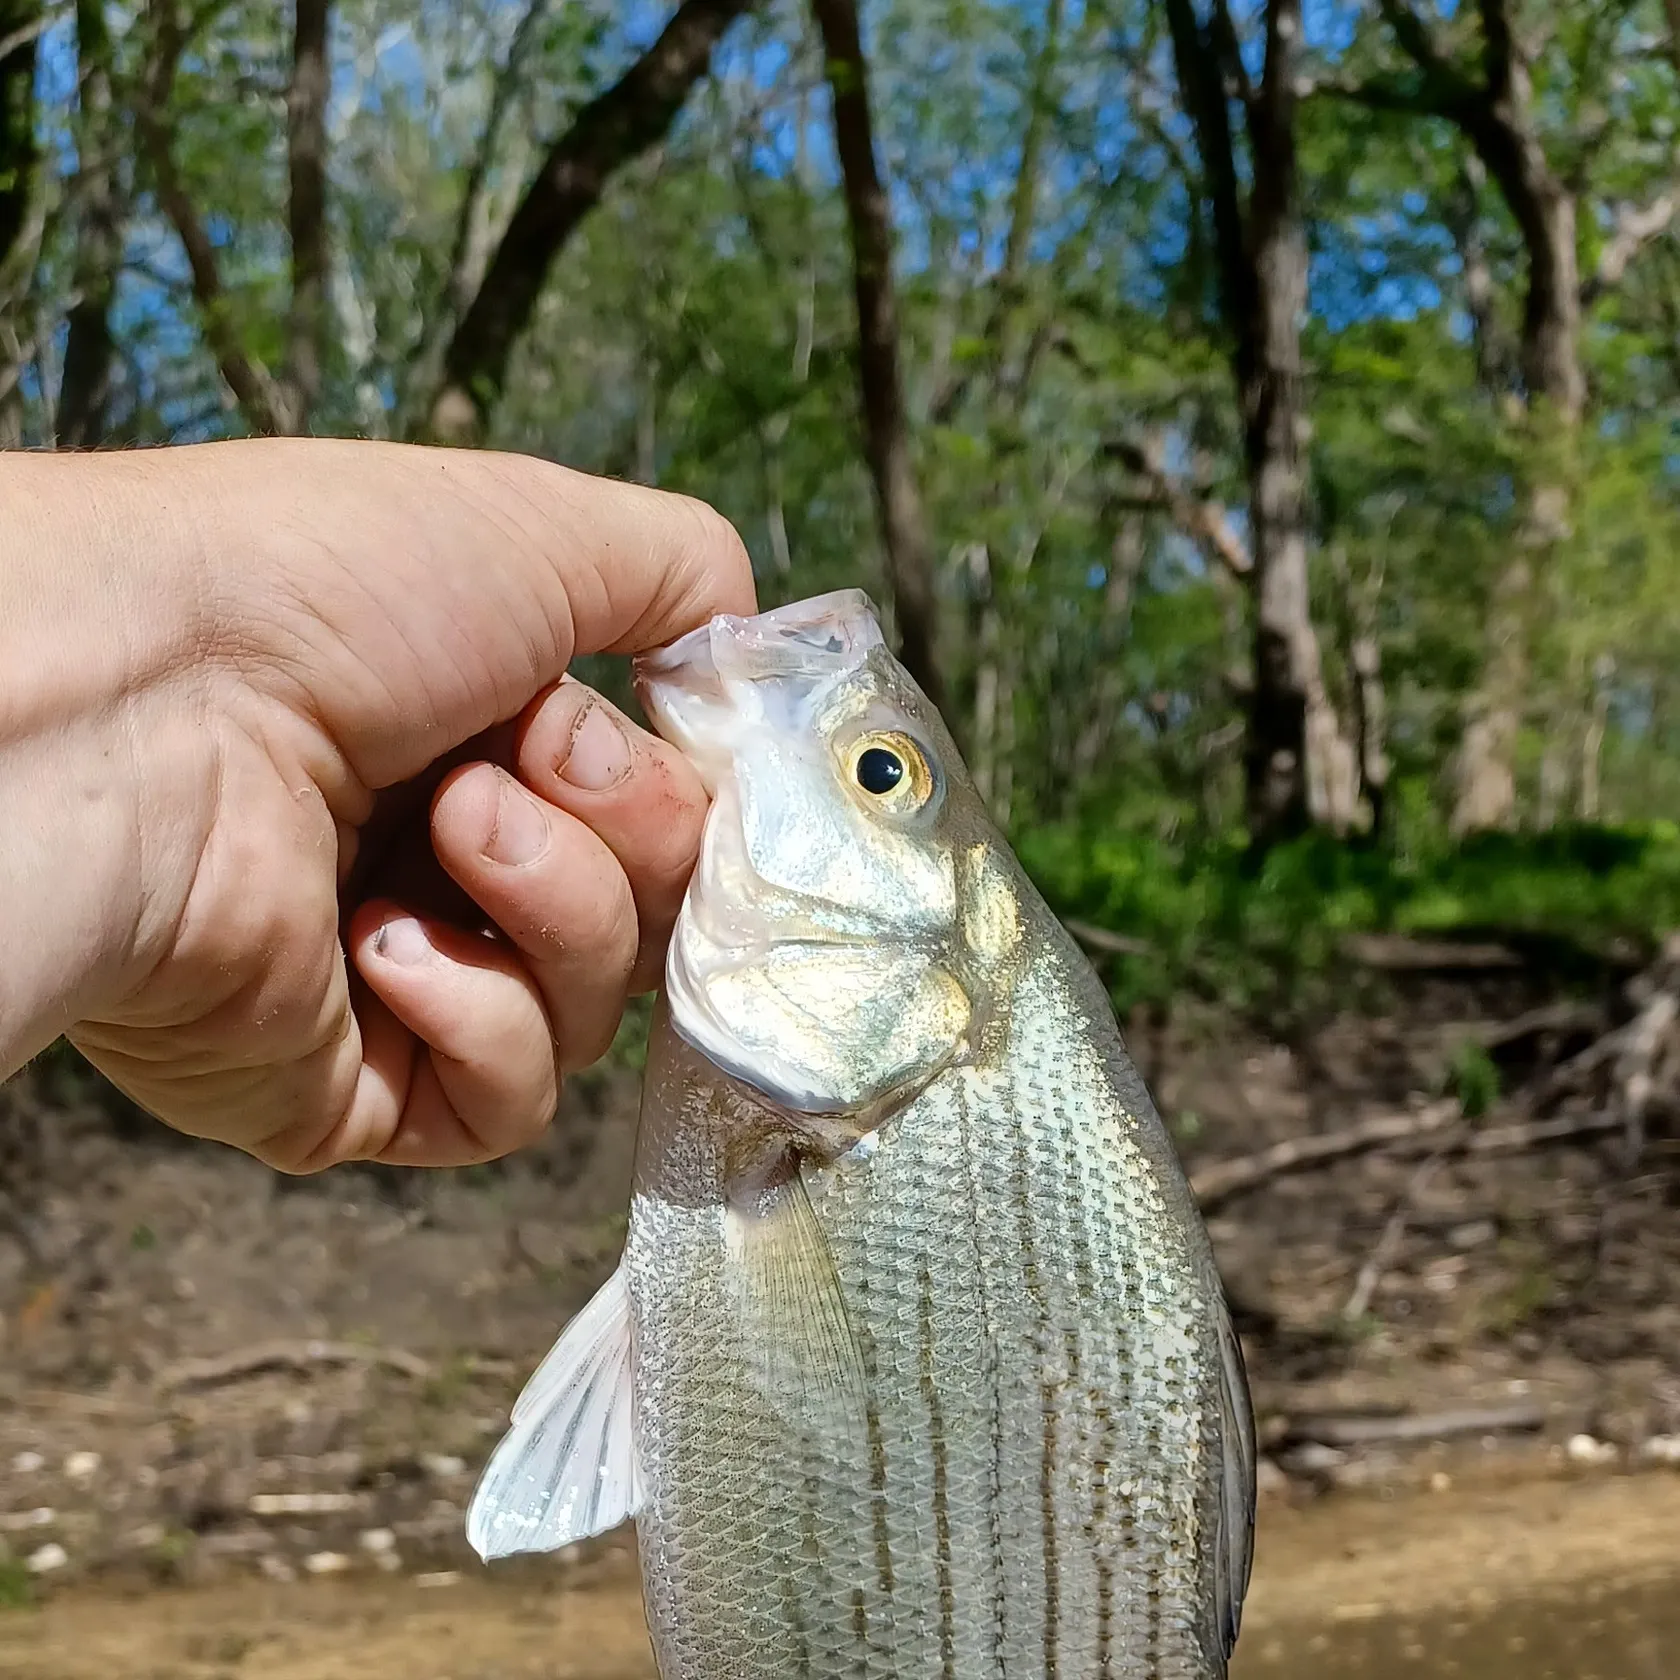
(97, 750)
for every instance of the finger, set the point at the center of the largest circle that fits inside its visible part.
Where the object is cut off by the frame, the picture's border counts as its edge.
(418, 595)
(482, 1080)
(637, 792)
(557, 892)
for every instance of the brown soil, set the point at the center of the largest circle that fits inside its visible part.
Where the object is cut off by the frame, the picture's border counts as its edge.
(162, 1306)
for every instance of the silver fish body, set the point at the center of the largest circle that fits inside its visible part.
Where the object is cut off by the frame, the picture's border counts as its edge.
(929, 1365)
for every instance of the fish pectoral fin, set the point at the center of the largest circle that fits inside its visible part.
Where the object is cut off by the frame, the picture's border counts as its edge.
(797, 1336)
(566, 1469)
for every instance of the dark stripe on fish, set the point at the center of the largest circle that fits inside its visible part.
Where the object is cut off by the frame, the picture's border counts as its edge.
(972, 1157)
(877, 1467)
(941, 1509)
(1104, 1468)
(1102, 1448)
(1021, 1186)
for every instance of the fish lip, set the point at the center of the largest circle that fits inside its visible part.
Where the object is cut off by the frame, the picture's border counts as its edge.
(850, 614)
(822, 640)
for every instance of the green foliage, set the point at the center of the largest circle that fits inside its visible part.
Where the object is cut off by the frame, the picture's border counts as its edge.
(1269, 937)
(699, 332)
(17, 1585)
(1475, 1079)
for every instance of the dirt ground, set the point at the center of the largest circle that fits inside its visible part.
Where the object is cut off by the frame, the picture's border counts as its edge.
(1352, 1586)
(224, 1394)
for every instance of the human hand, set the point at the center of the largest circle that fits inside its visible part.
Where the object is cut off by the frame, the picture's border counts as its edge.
(253, 696)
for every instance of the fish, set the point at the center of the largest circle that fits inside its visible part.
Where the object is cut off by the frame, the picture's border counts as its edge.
(917, 1362)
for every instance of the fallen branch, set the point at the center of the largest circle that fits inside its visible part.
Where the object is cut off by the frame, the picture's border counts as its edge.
(1401, 953)
(301, 1504)
(1225, 1179)
(1563, 1017)
(286, 1356)
(1377, 1262)
(1351, 1431)
(1634, 1082)
(1218, 1183)
(1568, 1075)
(1524, 1134)
(1095, 938)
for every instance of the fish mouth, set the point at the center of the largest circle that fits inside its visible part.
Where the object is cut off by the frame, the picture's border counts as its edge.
(703, 687)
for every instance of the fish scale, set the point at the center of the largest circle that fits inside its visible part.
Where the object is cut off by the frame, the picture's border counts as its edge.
(999, 1525)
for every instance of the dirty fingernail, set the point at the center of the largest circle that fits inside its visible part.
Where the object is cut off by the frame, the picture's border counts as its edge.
(403, 940)
(599, 754)
(519, 833)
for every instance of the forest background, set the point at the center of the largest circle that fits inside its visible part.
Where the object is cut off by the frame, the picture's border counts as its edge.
(1257, 419)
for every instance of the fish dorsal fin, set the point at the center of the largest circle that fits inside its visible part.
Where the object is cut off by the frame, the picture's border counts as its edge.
(566, 1469)
(797, 1337)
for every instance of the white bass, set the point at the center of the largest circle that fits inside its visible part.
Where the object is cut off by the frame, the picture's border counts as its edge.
(917, 1365)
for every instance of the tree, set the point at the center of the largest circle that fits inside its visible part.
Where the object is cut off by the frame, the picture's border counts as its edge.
(272, 401)
(886, 432)
(90, 350)
(1499, 114)
(606, 134)
(21, 24)
(1300, 767)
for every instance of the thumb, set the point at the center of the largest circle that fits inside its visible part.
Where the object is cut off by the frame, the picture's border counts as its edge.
(418, 595)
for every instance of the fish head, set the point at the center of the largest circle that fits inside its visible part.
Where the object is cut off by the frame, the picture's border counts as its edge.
(852, 924)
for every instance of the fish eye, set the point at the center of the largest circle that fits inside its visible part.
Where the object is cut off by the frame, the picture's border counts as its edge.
(892, 770)
(879, 770)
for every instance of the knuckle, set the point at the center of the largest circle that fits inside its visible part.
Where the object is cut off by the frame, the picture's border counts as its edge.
(724, 566)
(601, 925)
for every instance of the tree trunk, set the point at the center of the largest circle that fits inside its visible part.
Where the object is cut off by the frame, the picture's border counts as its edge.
(89, 350)
(886, 428)
(1592, 739)
(1300, 767)
(1496, 116)
(254, 387)
(619, 125)
(1299, 770)
(19, 207)
(1126, 554)
(19, 33)
(306, 113)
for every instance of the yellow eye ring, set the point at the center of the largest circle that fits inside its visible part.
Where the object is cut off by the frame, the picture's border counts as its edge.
(890, 771)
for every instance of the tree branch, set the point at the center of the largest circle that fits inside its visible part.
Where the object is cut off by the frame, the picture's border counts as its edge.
(1206, 521)
(607, 133)
(1636, 227)
(252, 385)
(886, 431)
(466, 258)
(14, 40)
(306, 150)
(1023, 210)
(1415, 39)
(1444, 89)
(470, 244)
(1500, 63)
(1224, 37)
